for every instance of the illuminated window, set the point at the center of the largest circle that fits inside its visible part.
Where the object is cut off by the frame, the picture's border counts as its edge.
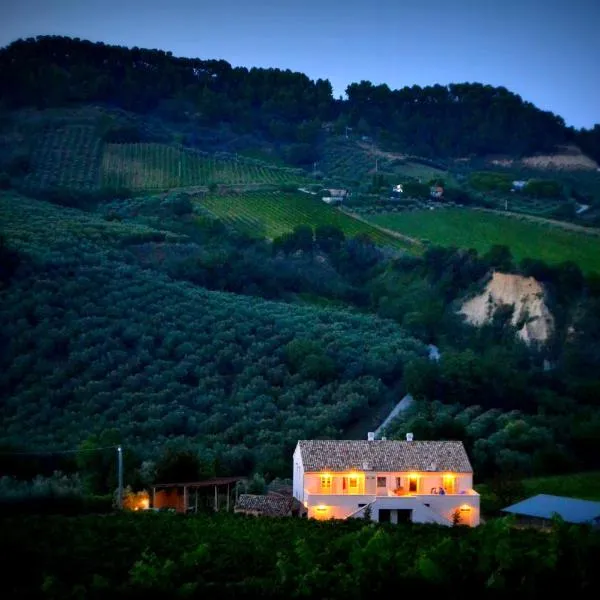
(398, 482)
(413, 483)
(353, 482)
(326, 483)
(449, 484)
(381, 482)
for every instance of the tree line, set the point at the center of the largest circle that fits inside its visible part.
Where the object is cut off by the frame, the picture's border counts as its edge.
(283, 106)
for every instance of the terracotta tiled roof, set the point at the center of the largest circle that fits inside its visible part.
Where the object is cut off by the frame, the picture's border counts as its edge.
(383, 455)
(271, 505)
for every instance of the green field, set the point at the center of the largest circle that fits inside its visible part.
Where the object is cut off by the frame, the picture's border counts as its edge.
(480, 230)
(159, 166)
(269, 214)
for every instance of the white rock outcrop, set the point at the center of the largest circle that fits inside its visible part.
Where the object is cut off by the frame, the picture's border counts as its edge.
(525, 294)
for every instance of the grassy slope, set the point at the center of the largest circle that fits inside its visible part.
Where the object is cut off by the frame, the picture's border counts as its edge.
(271, 214)
(481, 230)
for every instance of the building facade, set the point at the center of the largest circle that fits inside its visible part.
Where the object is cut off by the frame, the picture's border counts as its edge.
(392, 481)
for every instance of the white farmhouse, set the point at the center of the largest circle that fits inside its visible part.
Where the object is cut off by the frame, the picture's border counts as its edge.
(399, 481)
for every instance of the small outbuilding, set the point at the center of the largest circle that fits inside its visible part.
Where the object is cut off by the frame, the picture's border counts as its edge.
(334, 196)
(539, 510)
(436, 192)
(518, 185)
(218, 493)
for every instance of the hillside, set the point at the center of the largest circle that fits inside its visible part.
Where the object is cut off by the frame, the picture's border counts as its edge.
(271, 214)
(283, 107)
(165, 283)
(93, 341)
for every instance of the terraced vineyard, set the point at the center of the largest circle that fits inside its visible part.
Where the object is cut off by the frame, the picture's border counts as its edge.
(347, 161)
(158, 166)
(269, 214)
(67, 156)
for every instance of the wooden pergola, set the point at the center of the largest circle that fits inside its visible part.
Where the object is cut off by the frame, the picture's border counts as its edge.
(177, 495)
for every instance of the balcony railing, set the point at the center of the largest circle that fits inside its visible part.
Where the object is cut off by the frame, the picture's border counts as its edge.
(359, 491)
(385, 493)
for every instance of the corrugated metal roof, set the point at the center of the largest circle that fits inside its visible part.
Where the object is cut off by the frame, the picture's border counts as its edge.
(383, 455)
(544, 506)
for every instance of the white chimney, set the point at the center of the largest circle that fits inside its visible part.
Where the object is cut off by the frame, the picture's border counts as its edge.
(371, 436)
(384, 439)
(409, 437)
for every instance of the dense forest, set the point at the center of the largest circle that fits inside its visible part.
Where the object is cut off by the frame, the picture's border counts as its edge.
(281, 106)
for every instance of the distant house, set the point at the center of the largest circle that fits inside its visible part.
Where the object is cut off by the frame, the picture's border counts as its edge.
(518, 185)
(397, 192)
(436, 192)
(271, 505)
(334, 196)
(539, 510)
(385, 480)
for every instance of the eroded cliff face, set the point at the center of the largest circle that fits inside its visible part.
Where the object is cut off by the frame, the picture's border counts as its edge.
(527, 296)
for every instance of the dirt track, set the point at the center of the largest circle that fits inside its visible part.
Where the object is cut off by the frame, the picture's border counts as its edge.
(544, 221)
(394, 234)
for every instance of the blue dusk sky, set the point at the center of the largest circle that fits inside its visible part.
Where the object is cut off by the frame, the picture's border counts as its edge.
(547, 51)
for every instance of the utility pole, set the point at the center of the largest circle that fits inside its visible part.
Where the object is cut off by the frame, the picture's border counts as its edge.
(315, 169)
(120, 475)
(376, 161)
(347, 130)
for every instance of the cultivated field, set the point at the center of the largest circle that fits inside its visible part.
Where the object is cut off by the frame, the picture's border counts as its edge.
(159, 166)
(66, 156)
(480, 230)
(269, 214)
(352, 161)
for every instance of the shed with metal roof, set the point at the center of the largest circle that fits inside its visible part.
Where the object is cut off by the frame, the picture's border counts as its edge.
(541, 508)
